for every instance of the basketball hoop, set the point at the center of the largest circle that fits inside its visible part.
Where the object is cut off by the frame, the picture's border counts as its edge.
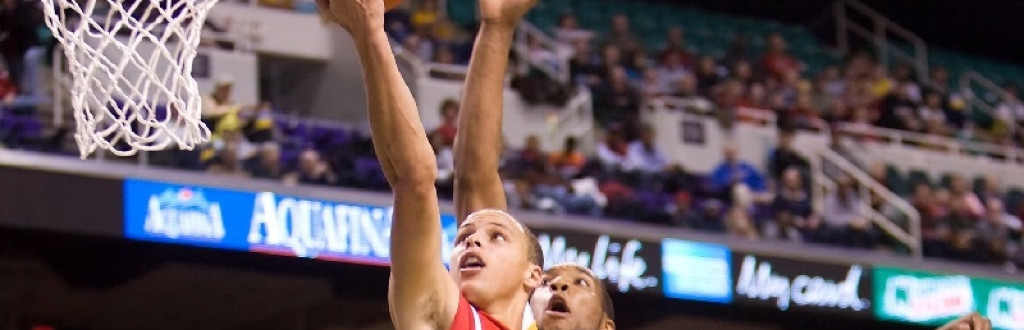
(131, 67)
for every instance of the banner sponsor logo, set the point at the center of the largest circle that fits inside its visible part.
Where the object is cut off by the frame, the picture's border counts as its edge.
(922, 298)
(1005, 308)
(627, 264)
(697, 271)
(263, 222)
(796, 285)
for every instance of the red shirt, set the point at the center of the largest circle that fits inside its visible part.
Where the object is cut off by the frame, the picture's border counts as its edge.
(448, 132)
(468, 318)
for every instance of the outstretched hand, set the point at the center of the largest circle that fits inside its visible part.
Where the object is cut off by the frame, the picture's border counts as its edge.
(359, 17)
(506, 12)
(973, 321)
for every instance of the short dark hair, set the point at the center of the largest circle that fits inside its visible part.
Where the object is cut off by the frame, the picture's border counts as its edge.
(606, 299)
(449, 103)
(533, 250)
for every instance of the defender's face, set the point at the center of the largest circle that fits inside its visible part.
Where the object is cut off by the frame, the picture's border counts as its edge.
(568, 299)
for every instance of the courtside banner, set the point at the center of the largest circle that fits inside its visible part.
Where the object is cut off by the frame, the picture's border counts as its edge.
(696, 271)
(263, 222)
(627, 265)
(802, 286)
(934, 299)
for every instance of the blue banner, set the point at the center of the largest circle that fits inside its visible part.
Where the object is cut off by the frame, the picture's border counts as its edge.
(696, 271)
(263, 222)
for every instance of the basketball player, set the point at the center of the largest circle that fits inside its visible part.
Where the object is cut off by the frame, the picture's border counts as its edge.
(493, 267)
(571, 297)
(478, 186)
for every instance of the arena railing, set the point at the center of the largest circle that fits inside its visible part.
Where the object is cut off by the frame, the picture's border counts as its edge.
(991, 95)
(526, 30)
(878, 34)
(999, 153)
(910, 236)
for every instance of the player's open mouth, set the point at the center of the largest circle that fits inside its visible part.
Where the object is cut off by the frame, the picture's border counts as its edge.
(471, 262)
(558, 306)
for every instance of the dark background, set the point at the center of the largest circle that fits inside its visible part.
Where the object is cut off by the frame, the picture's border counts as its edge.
(991, 28)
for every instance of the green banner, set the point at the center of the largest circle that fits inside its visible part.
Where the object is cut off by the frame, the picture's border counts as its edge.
(934, 299)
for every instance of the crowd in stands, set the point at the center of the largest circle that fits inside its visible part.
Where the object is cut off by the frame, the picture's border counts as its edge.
(629, 177)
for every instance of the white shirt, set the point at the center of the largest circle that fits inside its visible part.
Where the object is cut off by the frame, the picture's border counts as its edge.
(643, 160)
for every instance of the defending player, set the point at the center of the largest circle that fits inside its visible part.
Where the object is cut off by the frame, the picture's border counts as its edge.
(494, 265)
(572, 298)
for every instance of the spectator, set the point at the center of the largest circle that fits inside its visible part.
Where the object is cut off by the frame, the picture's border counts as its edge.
(312, 169)
(776, 62)
(672, 70)
(449, 121)
(570, 160)
(643, 156)
(881, 85)
(18, 22)
(1010, 110)
(613, 152)
(569, 31)
(899, 112)
(832, 83)
(418, 45)
(616, 101)
(584, 67)
(743, 73)
(692, 100)
(267, 163)
(683, 214)
(651, 87)
(990, 189)
(707, 74)
(785, 157)
(445, 158)
(791, 206)
(218, 104)
(844, 222)
(622, 36)
(904, 77)
(675, 47)
(734, 171)
(931, 111)
(425, 17)
(997, 230)
(227, 162)
(961, 192)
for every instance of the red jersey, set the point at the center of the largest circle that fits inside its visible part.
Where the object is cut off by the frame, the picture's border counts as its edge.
(468, 317)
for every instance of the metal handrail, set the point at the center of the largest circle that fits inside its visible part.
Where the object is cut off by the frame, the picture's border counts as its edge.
(912, 236)
(879, 34)
(527, 30)
(955, 146)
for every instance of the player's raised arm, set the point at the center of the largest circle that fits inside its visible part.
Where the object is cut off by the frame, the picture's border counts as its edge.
(477, 144)
(420, 289)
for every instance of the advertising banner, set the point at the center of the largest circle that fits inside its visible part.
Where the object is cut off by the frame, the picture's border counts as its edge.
(696, 271)
(263, 222)
(628, 265)
(791, 285)
(934, 299)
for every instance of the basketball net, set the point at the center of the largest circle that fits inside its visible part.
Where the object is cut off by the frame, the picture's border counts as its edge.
(131, 67)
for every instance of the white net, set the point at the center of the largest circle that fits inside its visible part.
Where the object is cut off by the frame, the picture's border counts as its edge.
(131, 67)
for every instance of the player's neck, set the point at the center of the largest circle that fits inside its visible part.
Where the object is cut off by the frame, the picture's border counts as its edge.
(507, 311)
